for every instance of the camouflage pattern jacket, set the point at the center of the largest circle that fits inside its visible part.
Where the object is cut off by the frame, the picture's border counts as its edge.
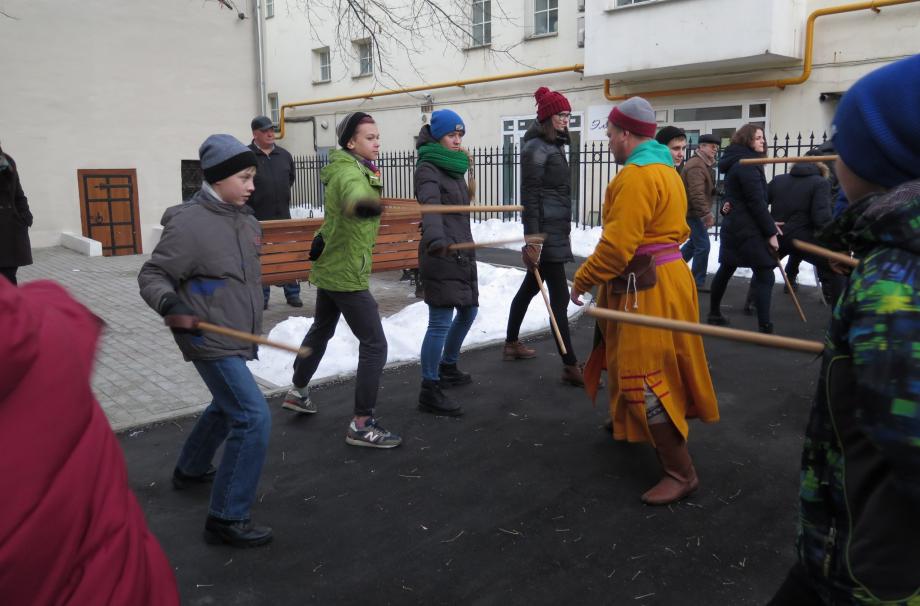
(859, 528)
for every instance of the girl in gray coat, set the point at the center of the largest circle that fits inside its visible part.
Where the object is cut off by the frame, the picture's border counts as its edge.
(449, 277)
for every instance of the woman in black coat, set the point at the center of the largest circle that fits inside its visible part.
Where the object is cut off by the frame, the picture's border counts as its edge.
(449, 277)
(15, 221)
(748, 234)
(546, 193)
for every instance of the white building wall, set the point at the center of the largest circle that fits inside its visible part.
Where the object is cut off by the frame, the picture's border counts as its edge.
(104, 84)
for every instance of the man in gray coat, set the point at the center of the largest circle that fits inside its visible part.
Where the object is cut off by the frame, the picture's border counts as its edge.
(206, 266)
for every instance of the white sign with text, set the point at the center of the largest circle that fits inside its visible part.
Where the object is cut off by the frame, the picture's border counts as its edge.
(596, 124)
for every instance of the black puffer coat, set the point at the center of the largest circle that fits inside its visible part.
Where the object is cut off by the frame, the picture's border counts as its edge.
(801, 200)
(15, 219)
(449, 279)
(746, 228)
(546, 193)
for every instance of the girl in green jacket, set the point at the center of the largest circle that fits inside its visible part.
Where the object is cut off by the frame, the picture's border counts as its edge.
(340, 274)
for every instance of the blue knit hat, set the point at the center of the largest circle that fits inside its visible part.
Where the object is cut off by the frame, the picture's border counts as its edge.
(223, 156)
(445, 121)
(876, 129)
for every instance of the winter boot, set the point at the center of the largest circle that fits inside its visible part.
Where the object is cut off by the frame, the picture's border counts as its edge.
(515, 350)
(432, 399)
(679, 478)
(572, 375)
(766, 329)
(451, 376)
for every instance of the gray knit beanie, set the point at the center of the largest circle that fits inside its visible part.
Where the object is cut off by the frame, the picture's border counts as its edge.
(635, 115)
(223, 156)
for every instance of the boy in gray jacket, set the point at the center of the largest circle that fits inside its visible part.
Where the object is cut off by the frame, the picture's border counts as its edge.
(206, 266)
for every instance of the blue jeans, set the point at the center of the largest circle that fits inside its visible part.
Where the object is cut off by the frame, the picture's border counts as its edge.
(444, 337)
(697, 248)
(290, 290)
(238, 414)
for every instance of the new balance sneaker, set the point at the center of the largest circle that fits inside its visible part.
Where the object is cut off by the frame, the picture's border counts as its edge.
(371, 435)
(298, 400)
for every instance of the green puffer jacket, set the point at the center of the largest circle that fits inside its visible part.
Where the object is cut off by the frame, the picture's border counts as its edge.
(345, 264)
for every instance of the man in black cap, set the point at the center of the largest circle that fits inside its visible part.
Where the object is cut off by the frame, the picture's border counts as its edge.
(272, 198)
(699, 180)
(675, 139)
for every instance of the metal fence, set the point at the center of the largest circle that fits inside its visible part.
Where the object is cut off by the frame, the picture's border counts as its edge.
(497, 174)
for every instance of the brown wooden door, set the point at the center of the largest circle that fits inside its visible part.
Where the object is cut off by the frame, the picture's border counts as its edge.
(108, 209)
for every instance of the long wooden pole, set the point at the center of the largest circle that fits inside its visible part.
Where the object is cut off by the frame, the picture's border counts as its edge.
(789, 160)
(552, 318)
(826, 253)
(732, 334)
(789, 287)
(434, 209)
(530, 238)
(301, 352)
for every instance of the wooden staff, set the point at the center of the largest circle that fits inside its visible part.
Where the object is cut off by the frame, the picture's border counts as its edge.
(826, 253)
(301, 352)
(552, 318)
(732, 334)
(431, 209)
(531, 238)
(789, 287)
(790, 159)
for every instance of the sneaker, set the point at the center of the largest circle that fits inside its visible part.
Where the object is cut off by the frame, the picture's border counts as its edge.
(372, 435)
(298, 400)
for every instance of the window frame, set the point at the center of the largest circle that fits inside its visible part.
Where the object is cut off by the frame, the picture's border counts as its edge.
(485, 24)
(269, 9)
(360, 45)
(274, 109)
(547, 12)
(318, 55)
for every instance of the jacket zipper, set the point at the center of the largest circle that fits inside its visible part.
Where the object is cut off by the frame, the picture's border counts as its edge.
(829, 545)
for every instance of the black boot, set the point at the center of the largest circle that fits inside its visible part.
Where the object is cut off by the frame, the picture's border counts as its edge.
(767, 328)
(237, 533)
(451, 376)
(182, 481)
(432, 399)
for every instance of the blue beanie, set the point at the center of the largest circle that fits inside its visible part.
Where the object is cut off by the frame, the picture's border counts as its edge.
(876, 129)
(223, 156)
(445, 121)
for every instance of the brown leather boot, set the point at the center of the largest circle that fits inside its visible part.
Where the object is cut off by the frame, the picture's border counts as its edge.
(572, 375)
(515, 350)
(679, 478)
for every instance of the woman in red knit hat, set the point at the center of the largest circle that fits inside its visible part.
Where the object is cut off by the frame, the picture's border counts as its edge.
(546, 193)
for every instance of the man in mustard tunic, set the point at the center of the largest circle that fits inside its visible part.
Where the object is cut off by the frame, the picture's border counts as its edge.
(658, 378)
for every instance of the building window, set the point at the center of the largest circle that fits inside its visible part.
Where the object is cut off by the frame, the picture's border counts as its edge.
(273, 108)
(269, 9)
(545, 17)
(365, 57)
(322, 64)
(482, 22)
(630, 2)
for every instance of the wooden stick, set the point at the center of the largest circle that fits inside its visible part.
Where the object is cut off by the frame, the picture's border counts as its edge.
(429, 209)
(790, 160)
(552, 318)
(733, 334)
(535, 238)
(301, 352)
(789, 287)
(826, 253)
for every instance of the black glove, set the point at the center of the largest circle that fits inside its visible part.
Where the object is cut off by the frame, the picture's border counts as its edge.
(365, 209)
(180, 318)
(438, 246)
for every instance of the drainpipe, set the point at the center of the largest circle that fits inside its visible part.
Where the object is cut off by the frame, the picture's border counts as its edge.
(258, 7)
(874, 5)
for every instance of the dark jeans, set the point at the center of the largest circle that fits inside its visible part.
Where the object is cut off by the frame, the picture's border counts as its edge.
(554, 276)
(697, 248)
(444, 337)
(239, 415)
(360, 311)
(9, 273)
(290, 290)
(761, 284)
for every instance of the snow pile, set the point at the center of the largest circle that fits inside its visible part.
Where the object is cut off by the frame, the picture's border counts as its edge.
(303, 212)
(406, 329)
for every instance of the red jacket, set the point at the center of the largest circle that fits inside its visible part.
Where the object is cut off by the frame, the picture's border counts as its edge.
(71, 531)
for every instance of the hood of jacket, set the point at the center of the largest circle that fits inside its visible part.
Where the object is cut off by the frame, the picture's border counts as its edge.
(733, 153)
(206, 199)
(425, 136)
(888, 219)
(805, 169)
(650, 152)
(338, 159)
(536, 132)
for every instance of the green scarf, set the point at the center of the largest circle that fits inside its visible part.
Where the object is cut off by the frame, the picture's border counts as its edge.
(454, 163)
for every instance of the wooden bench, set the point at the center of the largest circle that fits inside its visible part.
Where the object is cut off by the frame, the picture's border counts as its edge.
(286, 243)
